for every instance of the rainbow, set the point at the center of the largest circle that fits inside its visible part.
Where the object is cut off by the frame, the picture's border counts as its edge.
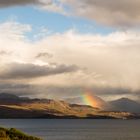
(90, 99)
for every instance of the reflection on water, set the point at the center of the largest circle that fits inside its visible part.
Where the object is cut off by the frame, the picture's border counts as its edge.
(54, 129)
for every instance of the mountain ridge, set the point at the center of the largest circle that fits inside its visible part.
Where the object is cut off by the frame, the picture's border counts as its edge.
(126, 104)
(48, 108)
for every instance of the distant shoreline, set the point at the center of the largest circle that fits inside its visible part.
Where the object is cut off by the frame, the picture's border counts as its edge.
(77, 118)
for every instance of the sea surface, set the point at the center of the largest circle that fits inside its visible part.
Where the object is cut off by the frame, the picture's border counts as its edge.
(65, 129)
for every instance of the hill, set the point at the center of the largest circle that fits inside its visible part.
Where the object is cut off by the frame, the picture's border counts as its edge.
(125, 104)
(14, 134)
(99, 103)
(12, 106)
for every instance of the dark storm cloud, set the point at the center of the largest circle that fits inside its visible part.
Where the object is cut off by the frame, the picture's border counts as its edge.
(24, 71)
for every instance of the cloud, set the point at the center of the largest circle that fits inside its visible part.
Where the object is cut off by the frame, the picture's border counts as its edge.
(2, 52)
(111, 59)
(44, 54)
(9, 3)
(49, 5)
(62, 92)
(107, 93)
(120, 13)
(110, 62)
(25, 71)
(14, 30)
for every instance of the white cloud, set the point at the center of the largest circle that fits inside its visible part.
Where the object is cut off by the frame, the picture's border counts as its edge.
(106, 60)
(53, 6)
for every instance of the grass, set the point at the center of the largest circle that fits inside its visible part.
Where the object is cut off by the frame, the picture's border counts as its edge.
(14, 134)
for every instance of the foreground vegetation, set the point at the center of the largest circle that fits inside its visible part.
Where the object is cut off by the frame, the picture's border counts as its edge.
(14, 134)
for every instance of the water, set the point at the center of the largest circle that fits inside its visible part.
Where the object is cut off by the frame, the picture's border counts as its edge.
(54, 129)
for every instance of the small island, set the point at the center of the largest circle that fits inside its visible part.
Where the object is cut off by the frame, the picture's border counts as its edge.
(14, 134)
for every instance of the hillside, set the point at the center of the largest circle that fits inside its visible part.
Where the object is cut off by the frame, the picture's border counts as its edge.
(125, 104)
(14, 134)
(99, 103)
(19, 107)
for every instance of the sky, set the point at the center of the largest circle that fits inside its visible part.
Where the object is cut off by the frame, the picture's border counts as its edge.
(63, 48)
